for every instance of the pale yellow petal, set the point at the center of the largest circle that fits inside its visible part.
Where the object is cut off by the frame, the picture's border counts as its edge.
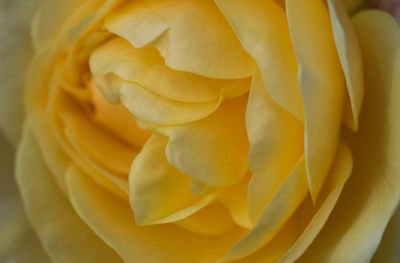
(159, 193)
(18, 241)
(212, 150)
(213, 219)
(276, 213)
(322, 85)
(276, 144)
(15, 51)
(338, 175)
(300, 229)
(153, 108)
(262, 28)
(146, 67)
(64, 236)
(104, 149)
(372, 194)
(55, 19)
(195, 36)
(113, 220)
(350, 58)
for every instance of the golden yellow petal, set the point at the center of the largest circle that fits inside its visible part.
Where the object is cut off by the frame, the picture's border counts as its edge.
(113, 221)
(372, 193)
(276, 144)
(192, 36)
(148, 106)
(212, 150)
(64, 235)
(146, 67)
(213, 219)
(262, 28)
(275, 214)
(159, 193)
(322, 85)
(350, 58)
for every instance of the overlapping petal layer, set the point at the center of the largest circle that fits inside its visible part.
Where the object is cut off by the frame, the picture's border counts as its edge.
(371, 195)
(191, 35)
(322, 85)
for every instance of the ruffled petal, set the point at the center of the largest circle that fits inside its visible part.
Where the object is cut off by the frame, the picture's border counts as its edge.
(262, 28)
(350, 58)
(144, 66)
(276, 144)
(372, 193)
(153, 108)
(191, 35)
(212, 150)
(159, 193)
(64, 236)
(322, 85)
(113, 220)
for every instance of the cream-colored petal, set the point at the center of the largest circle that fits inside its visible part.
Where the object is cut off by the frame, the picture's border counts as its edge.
(322, 85)
(212, 150)
(276, 144)
(153, 108)
(276, 213)
(262, 28)
(350, 58)
(159, 193)
(372, 194)
(192, 36)
(15, 51)
(113, 220)
(146, 67)
(64, 236)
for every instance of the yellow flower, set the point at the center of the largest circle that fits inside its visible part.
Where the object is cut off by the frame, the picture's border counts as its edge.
(207, 131)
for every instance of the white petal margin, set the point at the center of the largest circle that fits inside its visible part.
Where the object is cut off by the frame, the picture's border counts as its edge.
(15, 52)
(65, 237)
(372, 194)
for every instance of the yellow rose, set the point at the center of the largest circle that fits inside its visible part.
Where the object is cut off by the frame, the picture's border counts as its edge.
(205, 131)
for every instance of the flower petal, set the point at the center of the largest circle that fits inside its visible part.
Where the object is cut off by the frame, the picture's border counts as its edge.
(15, 51)
(276, 144)
(322, 85)
(372, 194)
(191, 35)
(350, 58)
(262, 28)
(276, 213)
(113, 221)
(153, 108)
(212, 150)
(159, 192)
(144, 66)
(64, 236)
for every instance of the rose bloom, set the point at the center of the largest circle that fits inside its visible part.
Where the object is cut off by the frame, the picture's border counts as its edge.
(185, 131)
